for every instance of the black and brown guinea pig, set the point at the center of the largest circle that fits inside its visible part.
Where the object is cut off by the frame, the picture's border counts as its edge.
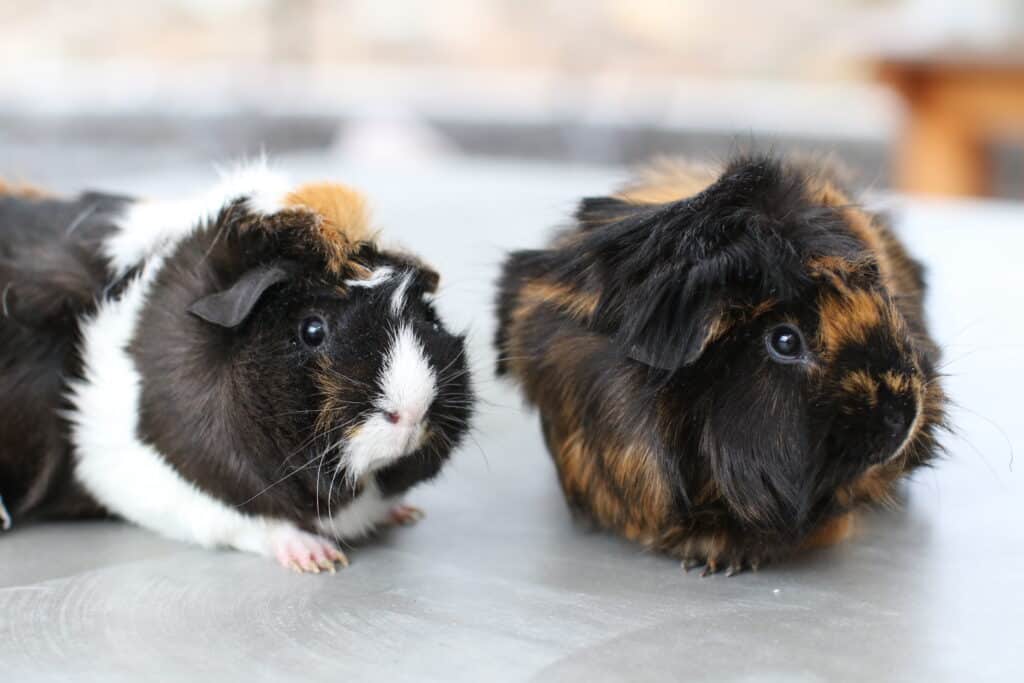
(726, 361)
(247, 369)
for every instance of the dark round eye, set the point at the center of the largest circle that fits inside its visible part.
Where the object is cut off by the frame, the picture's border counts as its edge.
(313, 331)
(785, 343)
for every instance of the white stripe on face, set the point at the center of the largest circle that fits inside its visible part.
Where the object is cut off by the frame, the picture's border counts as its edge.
(408, 381)
(378, 277)
(398, 296)
(408, 386)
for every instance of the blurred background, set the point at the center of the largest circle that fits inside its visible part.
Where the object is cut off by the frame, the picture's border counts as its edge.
(921, 95)
(474, 126)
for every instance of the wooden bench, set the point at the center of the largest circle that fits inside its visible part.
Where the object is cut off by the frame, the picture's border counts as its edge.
(958, 103)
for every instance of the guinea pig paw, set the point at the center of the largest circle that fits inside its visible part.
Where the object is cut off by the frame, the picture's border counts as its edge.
(732, 563)
(712, 565)
(306, 553)
(404, 515)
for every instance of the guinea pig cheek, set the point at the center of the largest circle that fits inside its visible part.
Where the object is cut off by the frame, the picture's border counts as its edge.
(398, 427)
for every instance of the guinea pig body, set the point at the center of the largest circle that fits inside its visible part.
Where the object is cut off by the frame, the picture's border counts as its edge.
(726, 362)
(246, 369)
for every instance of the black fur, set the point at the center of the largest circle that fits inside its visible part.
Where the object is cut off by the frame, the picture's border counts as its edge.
(250, 392)
(232, 399)
(51, 274)
(643, 330)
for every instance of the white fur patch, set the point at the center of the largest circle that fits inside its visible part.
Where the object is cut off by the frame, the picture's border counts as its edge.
(126, 475)
(408, 387)
(361, 516)
(408, 381)
(149, 227)
(398, 296)
(378, 277)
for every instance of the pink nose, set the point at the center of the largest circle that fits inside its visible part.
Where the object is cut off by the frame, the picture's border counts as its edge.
(392, 417)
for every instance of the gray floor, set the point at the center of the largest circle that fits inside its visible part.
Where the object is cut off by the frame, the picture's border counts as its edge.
(498, 584)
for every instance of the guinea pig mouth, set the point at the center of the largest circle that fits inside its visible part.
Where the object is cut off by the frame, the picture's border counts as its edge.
(415, 440)
(378, 443)
(899, 424)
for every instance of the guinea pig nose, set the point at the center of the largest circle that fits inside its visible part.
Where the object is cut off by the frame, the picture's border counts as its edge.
(391, 416)
(897, 417)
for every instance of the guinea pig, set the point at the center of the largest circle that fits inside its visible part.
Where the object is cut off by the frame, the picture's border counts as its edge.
(246, 369)
(726, 361)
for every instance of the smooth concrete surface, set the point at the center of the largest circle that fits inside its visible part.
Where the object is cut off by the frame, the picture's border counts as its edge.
(497, 583)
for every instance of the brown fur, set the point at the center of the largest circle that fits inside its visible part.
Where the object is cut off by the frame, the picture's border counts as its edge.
(667, 180)
(834, 531)
(342, 219)
(22, 190)
(602, 429)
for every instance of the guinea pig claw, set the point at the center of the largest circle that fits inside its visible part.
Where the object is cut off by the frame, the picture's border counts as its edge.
(337, 557)
(734, 569)
(710, 568)
(404, 515)
(304, 552)
(691, 563)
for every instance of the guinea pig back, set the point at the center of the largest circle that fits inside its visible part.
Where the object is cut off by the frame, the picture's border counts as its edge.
(726, 362)
(248, 368)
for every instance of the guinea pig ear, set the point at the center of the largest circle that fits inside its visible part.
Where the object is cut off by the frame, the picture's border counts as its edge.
(430, 279)
(667, 321)
(229, 308)
(661, 338)
(668, 273)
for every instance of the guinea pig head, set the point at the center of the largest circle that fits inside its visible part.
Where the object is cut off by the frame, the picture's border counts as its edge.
(784, 361)
(337, 373)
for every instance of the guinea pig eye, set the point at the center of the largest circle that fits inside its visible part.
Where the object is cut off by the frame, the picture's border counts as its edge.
(313, 331)
(785, 343)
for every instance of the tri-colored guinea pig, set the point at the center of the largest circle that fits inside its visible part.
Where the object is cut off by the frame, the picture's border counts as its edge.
(726, 362)
(247, 369)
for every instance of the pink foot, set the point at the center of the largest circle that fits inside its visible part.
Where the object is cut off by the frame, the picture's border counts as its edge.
(303, 552)
(404, 515)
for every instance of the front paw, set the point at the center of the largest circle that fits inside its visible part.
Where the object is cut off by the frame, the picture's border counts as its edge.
(404, 515)
(304, 552)
(721, 551)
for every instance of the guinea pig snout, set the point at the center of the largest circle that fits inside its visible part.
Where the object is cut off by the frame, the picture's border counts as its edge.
(897, 417)
(897, 414)
(408, 383)
(408, 417)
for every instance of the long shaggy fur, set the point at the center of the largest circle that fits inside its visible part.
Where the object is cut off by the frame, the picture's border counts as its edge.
(641, 336)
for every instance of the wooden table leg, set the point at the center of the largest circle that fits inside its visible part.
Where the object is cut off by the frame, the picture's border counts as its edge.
(942, 153)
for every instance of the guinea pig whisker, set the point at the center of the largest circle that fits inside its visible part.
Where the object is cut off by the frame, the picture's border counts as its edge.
(319, 468)
(302, 446)
(480, 448)
(449, 379)
(350, 380)
(452, 362)
(330, 489)
(995, 425)
(279, 481)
